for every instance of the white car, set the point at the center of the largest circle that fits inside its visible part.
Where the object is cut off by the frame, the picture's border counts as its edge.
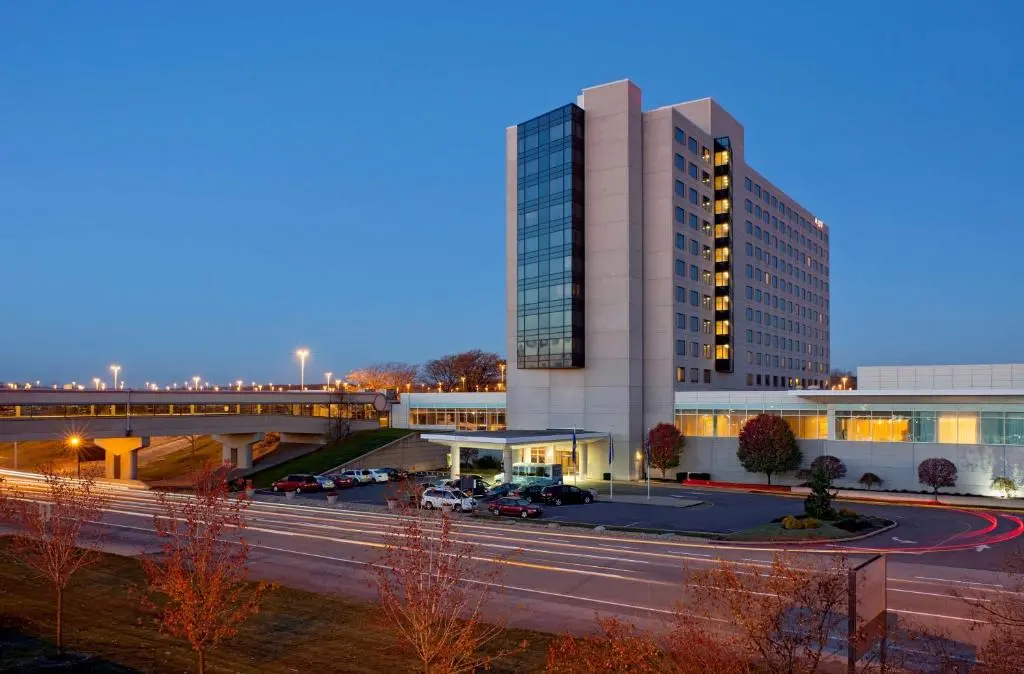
(379, 475)
(360, 475)
(451, 498)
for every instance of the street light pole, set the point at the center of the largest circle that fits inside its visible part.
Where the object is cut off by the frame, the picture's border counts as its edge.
(328, 375)
(115, 369)
(303, 354)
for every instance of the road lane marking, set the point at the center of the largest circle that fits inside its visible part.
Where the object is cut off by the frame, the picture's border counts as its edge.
(939, 615)
(931, 594)
(959, 582)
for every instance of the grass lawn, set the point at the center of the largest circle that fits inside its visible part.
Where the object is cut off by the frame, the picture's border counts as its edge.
(296, 631)
(182, 462)
(774, 531)
(331, 455)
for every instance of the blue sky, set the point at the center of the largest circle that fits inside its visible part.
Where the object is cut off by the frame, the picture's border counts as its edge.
(204, 187)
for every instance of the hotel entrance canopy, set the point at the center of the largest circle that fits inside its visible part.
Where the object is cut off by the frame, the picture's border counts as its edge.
(508, 442)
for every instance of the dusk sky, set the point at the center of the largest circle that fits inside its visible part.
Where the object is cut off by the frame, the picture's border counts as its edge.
(201, 188)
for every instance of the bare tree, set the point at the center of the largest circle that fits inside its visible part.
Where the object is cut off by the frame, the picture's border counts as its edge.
(433, 590)
(1004, 611)
(783, 614)
(339, 422)
(200, 577)
(49, 525)
(469, 371)
(379, 376)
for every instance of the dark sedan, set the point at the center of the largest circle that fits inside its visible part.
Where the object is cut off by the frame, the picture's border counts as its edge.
(516, 507)
(499, 491)
(557, 494)
(342, 481)
(531, 493)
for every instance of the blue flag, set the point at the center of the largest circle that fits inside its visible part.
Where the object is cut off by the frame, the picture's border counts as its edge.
(574, 445)
(647, 448)
(611, 450)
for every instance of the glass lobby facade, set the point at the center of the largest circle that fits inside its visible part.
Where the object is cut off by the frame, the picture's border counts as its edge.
(358, 411)
(549, 247)
(943, 424)
(458, 418)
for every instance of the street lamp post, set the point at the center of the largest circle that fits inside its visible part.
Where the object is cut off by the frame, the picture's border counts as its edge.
(195, 383)
(115, 369)
(239, 384)
(74, 442)
(96, 383)
(303, 354)
(463, 382)
(502, 366)
(328, 375)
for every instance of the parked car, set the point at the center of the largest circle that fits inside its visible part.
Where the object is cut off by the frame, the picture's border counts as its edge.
(297, 482)
(516, 507)
(453, 498)
(379, 475)
(530, 493)
(343, 481)
(557, 494)
(325, 482)
(396, 474)
(360, 475)
(500, 491)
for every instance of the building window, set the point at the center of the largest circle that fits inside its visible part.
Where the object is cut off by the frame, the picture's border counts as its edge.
(680, 242)
(750, 336)
(693, 171)
(680, 215)
(680, 374)
(680, 162)
(680, 136)
(693, 375)
(680, 189)
(695, 327)
(707, 351)
(695, 298)
(680, 347)
(681, 268)
(692, 144)
(694, 349)
(694, 197)
(681, 321)
(707, 326)
(750, 357)
(680, 294)
(747, 185)
(748, 206)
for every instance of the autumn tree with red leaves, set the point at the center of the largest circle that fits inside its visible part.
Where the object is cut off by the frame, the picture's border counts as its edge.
(767, 445)
(666, 444)
(49, 521)
(201, 574)
(937, 473)
(433, 589)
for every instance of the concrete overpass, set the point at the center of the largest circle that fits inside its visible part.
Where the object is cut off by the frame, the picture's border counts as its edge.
(122, 422)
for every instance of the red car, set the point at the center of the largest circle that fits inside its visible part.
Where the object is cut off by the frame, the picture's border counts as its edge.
(516, 507)
(342, 481)
(297, 483)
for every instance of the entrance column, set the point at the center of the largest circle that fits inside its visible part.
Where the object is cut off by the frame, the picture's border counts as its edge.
(584, 450)
(456, 455)
(507, 459)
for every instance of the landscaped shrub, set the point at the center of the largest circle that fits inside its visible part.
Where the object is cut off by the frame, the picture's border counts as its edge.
(854, 525)
(847, 513)
(790, 522)
(1004, 485)
(832, 466)
(936, 473)
(699, 476)
(809, 523)
(680, 477)
(819, 502)
(869, 480)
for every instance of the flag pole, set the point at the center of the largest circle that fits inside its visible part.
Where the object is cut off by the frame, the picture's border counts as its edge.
(647, 446)
(611, 465)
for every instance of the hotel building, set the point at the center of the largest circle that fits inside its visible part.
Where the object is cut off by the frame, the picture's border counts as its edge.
(645, 257)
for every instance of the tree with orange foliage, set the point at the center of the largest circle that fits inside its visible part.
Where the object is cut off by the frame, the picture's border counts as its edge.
(433, 589)
(49, 522)
(784, 612)
(201, 573)
(618, 647)
(666, 443)
(1004, 612)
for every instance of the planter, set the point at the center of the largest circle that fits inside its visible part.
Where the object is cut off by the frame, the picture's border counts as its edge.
(290, 495)
(606, 477)
(681, 477)
(332, 499)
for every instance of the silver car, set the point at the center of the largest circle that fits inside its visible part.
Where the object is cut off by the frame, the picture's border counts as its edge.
(325, 482)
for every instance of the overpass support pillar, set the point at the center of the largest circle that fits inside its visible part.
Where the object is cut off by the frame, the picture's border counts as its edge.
(237, 448)
(122, 457)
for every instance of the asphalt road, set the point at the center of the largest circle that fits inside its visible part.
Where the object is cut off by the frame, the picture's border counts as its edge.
(948, 536)
(557, 578)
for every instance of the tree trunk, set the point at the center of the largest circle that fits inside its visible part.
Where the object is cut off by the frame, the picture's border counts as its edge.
(201, 662)
(60, 621)
(769, 477)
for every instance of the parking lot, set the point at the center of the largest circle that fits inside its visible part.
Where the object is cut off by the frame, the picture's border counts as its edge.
(720, 514)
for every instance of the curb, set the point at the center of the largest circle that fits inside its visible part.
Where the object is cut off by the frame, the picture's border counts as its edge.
(817, 541)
